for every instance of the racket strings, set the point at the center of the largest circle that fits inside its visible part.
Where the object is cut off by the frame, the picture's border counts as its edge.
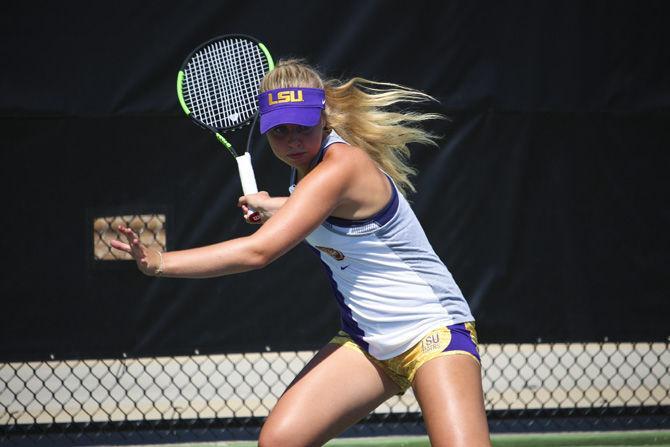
(221, 82)
(243, 99)
(207, 83)
(212, 102)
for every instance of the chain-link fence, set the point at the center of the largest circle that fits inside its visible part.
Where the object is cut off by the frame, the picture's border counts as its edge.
(150, 227)
(228, 396)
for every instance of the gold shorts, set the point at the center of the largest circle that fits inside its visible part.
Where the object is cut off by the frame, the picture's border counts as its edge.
(450, 340)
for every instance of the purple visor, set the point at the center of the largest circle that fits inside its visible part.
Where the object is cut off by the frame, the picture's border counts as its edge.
(301, 106)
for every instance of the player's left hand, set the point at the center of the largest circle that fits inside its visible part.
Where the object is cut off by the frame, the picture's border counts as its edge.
(148, 260)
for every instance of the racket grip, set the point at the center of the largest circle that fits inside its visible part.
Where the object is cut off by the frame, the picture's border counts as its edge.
(248, 180)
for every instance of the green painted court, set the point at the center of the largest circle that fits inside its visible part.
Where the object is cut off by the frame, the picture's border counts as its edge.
(590, 439)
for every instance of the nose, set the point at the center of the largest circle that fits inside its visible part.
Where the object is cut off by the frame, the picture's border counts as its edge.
(294, 137)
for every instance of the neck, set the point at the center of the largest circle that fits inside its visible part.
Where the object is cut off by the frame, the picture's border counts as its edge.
(301, 172)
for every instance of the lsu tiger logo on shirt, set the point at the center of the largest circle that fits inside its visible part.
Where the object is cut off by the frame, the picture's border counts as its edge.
(335, 254)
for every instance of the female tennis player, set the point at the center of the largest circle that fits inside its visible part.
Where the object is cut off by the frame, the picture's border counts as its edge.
(404, 320)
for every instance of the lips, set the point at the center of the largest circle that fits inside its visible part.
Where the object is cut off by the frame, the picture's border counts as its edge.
(295, 155)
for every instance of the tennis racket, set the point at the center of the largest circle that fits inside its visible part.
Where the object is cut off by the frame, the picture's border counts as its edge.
(217, 87)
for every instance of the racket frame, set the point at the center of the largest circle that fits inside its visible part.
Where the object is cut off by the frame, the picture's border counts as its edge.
(182, 102)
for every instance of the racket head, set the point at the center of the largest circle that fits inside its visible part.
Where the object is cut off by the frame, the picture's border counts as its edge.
(218, 82)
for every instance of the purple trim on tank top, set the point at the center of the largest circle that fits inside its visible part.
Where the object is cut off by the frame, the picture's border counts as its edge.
(348, 323)
(380, 218)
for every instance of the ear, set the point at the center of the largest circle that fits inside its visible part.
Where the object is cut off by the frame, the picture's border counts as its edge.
(324, 123)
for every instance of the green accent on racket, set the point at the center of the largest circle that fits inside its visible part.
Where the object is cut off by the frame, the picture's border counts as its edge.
(225, 143)
(267, 54)
(180, 93)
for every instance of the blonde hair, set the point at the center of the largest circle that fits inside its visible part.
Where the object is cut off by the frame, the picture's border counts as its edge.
(365, 113)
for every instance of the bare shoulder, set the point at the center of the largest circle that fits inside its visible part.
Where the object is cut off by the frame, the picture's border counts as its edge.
(346, 155)
(346, 165)
(365, 188)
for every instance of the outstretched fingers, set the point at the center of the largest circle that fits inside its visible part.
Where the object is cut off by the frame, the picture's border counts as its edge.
(122, 246)
(139, 252)
(133, 246)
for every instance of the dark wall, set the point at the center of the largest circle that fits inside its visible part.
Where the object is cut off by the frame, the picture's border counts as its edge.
(547, 198)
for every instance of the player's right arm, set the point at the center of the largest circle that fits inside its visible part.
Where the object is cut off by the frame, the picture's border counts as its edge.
(313, 200)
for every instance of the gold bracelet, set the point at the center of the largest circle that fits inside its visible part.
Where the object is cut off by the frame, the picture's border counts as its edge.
(159, 270)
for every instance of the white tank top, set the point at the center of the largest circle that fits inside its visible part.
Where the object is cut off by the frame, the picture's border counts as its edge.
(388, 282)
